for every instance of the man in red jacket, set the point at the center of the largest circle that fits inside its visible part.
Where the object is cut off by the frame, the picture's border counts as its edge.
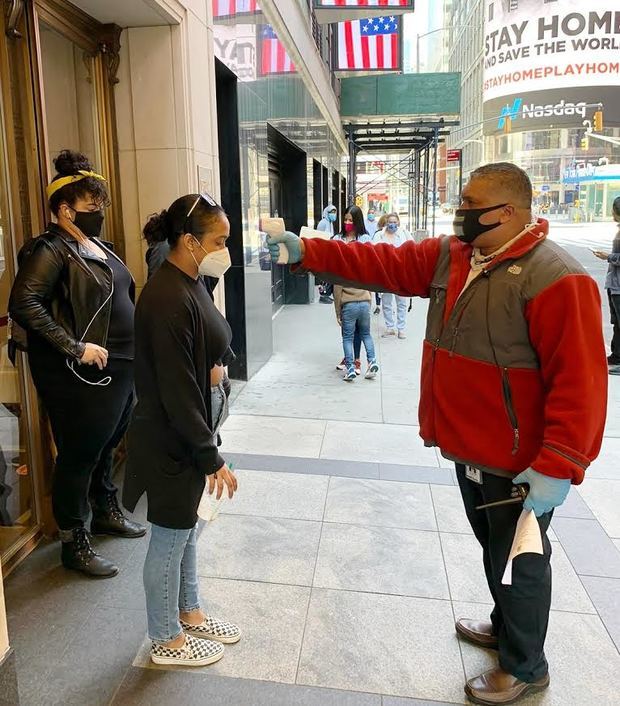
(514, 387)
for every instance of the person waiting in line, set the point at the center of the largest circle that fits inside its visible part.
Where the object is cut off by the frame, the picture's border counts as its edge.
(327, 225)
(612, 285)
(513, 389)
(394, 235)
(371, 221)
(75, 299)
(181, 338)
(371, 228)
(353, 230)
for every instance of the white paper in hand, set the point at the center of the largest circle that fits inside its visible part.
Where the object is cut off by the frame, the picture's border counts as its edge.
(527, 540)
(209, 507)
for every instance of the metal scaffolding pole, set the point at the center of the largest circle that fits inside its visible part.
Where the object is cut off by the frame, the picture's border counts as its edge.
(352, 168)
(435, 141)
(410, 177)
(426, 177)
(417, 188)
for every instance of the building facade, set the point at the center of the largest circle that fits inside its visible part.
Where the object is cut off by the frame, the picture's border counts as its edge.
(464, 51)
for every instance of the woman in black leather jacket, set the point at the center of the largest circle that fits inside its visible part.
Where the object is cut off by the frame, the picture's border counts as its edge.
(75, 299)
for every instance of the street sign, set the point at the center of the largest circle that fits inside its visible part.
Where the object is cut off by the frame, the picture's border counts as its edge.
(453, 156)
(545, 187)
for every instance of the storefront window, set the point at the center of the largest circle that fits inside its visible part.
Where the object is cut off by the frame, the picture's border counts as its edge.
(17, 503)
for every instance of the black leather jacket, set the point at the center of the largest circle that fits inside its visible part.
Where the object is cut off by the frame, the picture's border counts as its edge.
(58, 299)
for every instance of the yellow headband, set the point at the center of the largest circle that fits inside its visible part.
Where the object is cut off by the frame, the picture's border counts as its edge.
(58, 184)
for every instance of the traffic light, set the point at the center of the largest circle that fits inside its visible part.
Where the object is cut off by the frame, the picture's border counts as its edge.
(585, 143)
(507, 125)
(597, 123)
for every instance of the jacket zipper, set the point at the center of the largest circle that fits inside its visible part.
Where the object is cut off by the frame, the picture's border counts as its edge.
(566, 456)
(507, 392)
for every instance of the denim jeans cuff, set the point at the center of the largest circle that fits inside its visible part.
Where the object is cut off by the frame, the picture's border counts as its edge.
(163, 641)
(185, 609)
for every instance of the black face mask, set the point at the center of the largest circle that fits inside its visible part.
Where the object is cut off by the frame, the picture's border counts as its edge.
(467, 226)
(89, 222)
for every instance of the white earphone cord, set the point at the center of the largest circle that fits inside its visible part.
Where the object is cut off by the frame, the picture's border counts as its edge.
(70, 363)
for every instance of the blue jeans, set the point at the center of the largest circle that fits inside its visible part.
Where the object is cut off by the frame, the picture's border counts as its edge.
(356, 314)
(170, 581)
(401, 311)
(170, 578)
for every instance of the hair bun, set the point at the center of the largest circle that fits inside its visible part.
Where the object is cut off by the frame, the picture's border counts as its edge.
(157, 228)
(69, 162)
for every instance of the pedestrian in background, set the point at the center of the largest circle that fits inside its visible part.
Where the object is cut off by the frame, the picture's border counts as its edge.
(353, 307)
(353, 230)
(181, 339)
(394, 235)
(612, 285)
(371, 221)
(327, 225)
(513, 389)
(75, 299)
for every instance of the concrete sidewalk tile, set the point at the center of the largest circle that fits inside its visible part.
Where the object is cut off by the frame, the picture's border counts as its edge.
(283, 495)
(271, 618)
(150, 687)
(399, 408)
(381, 560)
(588, 547)
(381, 443)
(568, 593)
(399, 701)
(603, 498)
(378, 502)
(589, 674)
(335, 400)
(463, 559)
(415, 474)
(280, 436)
(449, 509)
(574, 506)
(259, 549)
(95, 661)
(605, 594)
(607, 465)
(381, 644)
(312, 466)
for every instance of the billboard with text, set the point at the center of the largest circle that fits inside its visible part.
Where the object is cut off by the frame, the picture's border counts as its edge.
(547, 64)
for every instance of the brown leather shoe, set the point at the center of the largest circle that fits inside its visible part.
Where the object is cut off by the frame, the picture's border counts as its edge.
(477, 632)
(498, 687)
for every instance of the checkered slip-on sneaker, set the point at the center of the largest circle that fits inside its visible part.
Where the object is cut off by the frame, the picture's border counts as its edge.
(194, 653)
(213, 629)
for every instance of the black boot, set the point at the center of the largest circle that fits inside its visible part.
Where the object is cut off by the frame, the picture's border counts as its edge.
(109, 519)
(77, 554)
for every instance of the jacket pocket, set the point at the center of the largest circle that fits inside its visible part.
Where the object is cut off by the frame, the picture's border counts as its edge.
(510, 410)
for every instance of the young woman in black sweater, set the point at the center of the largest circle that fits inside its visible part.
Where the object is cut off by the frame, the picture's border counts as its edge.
(181, 339)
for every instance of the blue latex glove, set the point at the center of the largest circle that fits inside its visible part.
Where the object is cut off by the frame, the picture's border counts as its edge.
(545, 492)
(292, 242)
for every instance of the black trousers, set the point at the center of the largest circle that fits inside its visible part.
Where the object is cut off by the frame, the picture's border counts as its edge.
(614, 308)
(521, 613)
(88, 423)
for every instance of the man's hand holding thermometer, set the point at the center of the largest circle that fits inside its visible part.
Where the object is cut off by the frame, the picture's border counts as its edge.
(286, 248)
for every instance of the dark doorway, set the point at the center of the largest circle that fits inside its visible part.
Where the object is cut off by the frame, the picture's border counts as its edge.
(247, 285)
(325, 187)
(317, 200)
(334, 197)
(288, 195)
(343, 197)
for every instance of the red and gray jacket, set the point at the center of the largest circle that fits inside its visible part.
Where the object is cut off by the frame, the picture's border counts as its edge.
(514, 370)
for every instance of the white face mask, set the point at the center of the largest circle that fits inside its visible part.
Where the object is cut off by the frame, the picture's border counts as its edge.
(213, 264)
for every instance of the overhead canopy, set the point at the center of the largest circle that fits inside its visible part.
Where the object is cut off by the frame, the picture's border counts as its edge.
(400, 136)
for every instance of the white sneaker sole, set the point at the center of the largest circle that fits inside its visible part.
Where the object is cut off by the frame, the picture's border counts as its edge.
(188, 662)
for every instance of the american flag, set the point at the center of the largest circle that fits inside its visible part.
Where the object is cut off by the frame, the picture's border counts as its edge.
(230, 8)
(274, 58)
(370, 44)
(362, 3)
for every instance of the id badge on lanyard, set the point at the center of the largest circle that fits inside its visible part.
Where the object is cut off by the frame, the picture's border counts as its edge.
(474, 474)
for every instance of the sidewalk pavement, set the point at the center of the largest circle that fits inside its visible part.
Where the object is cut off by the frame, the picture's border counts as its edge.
(345, 557)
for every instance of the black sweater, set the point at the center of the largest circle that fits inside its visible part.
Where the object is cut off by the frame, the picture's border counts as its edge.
(180, 336)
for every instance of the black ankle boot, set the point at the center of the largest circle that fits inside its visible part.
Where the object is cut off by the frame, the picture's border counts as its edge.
(77, 554)
(109, 519)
